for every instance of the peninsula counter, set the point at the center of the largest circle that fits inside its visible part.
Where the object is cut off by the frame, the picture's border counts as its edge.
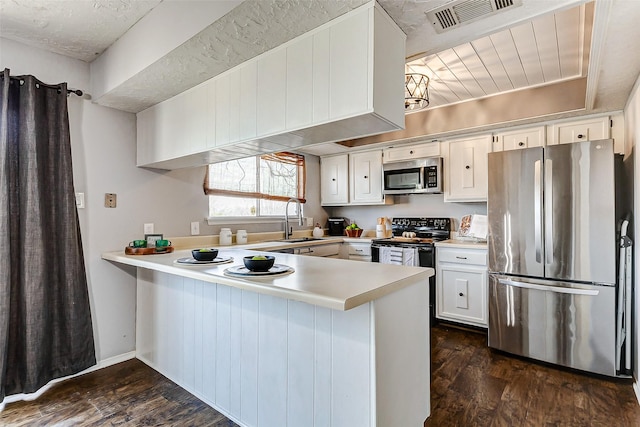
(336, 342)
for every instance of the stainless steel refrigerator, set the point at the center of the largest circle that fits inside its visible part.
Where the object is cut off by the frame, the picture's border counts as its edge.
(553, 216)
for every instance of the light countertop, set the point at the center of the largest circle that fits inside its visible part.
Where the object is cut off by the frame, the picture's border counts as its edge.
(333, 283)
(464, 244)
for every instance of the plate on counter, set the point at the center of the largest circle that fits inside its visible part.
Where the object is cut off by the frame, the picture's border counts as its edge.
(242, 271)
(193, 261)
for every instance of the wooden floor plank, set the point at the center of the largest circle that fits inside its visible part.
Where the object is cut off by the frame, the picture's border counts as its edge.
(471, 385)
(497, 389)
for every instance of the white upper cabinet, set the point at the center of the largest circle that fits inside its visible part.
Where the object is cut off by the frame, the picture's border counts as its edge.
(352, 179)
(299, 109)
(465, 166)
(247, 110)
(519, 139)
(349, 70)
(349, 66)
(159, 135)
(334, 180)
(411, 152)
(272, 92)
(365, 175)
(579, 130)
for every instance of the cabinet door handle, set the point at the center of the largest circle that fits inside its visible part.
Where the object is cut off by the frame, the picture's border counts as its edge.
(333, 179)
(365, 177)
(580, 136)
(521, 144)
(467, 167)
(460, 294)
(411, 152)
(461, 257)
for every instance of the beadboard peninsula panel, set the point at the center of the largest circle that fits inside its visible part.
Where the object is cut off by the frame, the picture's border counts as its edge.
(265, 360)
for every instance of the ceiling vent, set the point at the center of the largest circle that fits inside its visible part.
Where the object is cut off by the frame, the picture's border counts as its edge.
(461, 12)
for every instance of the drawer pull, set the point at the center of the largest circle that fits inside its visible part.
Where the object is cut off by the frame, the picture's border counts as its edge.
(580, 136)
(411, 152)
(467, 167)
(461, 257)
(460, 294)
(521, 144)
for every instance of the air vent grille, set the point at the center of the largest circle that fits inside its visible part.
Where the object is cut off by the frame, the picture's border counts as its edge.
(472, 9)
(446, 18)
(460, 12)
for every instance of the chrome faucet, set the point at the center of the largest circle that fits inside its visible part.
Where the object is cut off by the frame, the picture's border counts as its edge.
(287, 233)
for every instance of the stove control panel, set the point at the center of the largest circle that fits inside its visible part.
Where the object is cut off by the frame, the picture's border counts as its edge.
(410, 224)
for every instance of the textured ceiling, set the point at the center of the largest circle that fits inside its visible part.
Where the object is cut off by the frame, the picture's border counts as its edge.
(80, 29)
(83, 28)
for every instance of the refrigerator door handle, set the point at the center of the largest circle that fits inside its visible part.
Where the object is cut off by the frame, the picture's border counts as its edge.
(556, 289)
(548, 212)
(537, 209)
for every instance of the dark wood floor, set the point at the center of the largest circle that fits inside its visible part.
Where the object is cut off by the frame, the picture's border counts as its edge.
(471, 386)
(475, 386)
(126, 394)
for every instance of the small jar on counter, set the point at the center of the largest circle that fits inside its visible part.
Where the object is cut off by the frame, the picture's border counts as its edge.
(241, 237)
(225, 236)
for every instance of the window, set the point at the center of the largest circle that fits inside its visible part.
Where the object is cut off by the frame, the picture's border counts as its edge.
(255, 186)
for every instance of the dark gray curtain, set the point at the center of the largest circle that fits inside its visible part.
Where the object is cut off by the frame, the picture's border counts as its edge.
(45, 319)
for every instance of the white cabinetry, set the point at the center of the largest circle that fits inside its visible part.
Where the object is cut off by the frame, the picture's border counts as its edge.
(461, 285)
(365, 176)
(519, 139)
(465, 166)
(352, 179)
(579, 130)
(348, 70)
(173, 128)
(334, 180)
(329, 251)
(411, 152)
(357, 251)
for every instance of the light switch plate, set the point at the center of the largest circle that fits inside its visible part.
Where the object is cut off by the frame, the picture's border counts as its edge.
(80, 200)
(148, 228)
(110, 200)
(195, 228)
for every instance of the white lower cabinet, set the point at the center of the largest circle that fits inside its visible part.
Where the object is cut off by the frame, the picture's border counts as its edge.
(328, 251)
(461, 285)
(357, 251)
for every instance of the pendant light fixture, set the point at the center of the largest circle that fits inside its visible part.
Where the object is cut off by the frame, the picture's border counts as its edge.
(416, 91)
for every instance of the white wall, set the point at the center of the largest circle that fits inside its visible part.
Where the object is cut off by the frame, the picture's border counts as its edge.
(103, 148)
(632, 138)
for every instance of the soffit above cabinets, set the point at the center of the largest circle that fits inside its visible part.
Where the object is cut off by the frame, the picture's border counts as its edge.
(546, 50)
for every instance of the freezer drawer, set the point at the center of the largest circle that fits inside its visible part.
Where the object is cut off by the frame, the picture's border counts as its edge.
(557, 322)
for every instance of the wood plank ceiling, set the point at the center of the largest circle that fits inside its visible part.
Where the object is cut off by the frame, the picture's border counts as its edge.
(546, 50)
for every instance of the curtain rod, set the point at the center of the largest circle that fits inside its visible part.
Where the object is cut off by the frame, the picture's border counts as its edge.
(77, 92)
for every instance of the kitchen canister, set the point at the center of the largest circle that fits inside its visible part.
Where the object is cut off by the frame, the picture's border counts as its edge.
(225, 236)
(381, 228)
(317, 231)
(241, 237)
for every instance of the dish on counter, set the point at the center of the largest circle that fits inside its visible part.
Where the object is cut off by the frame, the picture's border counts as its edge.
(242, 271)
(192, 261)
(204, 254)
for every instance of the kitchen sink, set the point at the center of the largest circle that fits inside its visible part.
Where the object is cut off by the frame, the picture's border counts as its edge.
(299, 240)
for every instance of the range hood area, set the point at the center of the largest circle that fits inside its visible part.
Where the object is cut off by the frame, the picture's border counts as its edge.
(340, 81)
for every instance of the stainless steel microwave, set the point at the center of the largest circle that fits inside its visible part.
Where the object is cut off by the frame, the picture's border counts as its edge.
(413, 176)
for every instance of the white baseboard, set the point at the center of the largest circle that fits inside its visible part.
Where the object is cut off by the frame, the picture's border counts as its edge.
(636, 389)
(101, 364)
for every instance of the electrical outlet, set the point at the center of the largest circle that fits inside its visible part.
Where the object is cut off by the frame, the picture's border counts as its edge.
(80, 200)
(148, 228)
(195, 228)
(110, 200)
(310, 221)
